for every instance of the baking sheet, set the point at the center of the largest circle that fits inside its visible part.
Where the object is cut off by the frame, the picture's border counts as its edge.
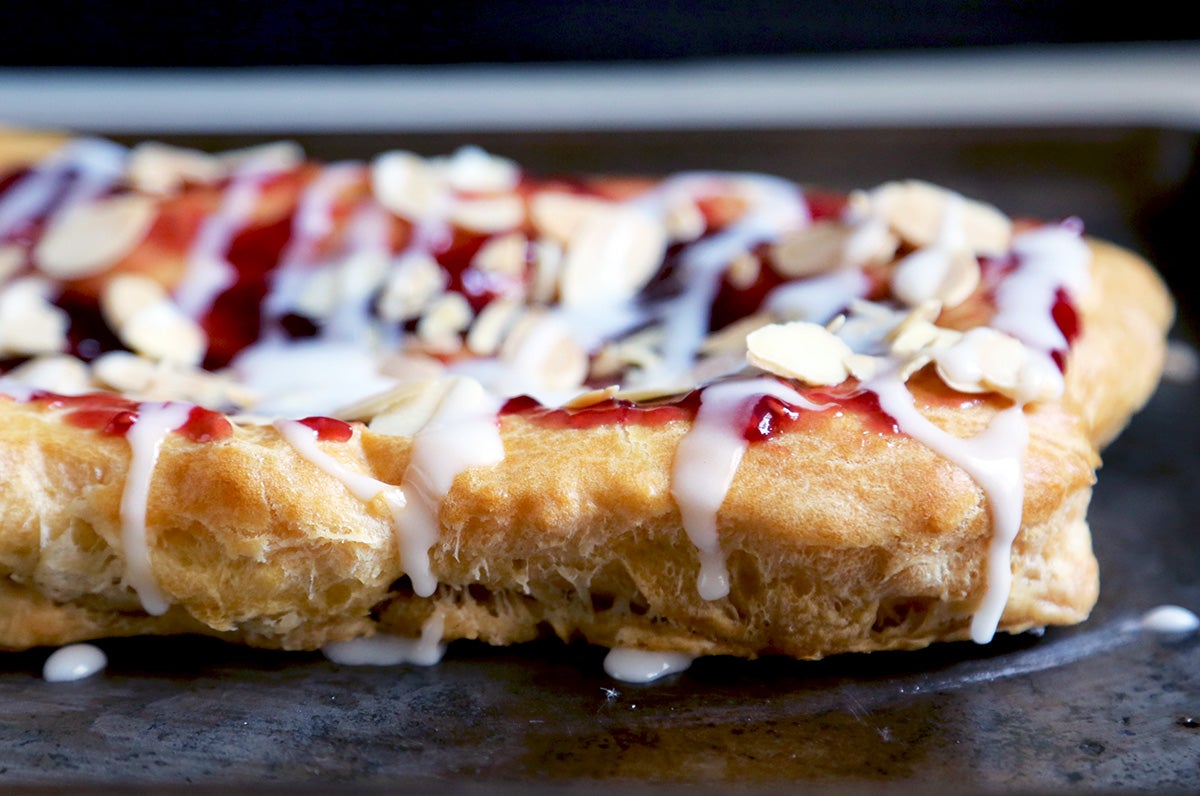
(1105, 705)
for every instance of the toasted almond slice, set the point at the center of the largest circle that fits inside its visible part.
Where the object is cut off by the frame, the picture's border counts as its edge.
(743, 271)
(412, 403)
(412, 410)
(162, 169)
(12, 257)
(813, 250)
(591, 397)
(912, 364)
(918, 212)
(541, 349)
(472, 170)
(414, 281)
(447, 316)
(91, 237)
(406, 185)
(684, 220)
(124, 371)
(125, 295)
(271, 156)
(863, 366)
(490, 214)
(935, 273)
(502, 255)
(409, 366)
(985, 360)
(547, 265)
(29, 323)
(557, 215)
(162, 331)
(64, 375)
(611, 256)
(799, 350)
(491, 326)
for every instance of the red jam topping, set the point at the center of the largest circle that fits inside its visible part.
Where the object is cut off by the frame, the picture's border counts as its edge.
(113, 415)
(1066, 318)
(770, 416)
(329, 429)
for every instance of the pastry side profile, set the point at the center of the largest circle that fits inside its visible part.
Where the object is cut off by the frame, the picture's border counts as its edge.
(293, 404)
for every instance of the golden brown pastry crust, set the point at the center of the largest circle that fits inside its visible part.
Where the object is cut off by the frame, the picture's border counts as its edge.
(839, 537)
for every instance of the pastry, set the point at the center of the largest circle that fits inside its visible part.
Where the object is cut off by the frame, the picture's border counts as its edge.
(293, 405)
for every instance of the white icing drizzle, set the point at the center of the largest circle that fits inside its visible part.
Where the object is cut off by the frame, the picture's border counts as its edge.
(462, 433)
(209, 272)
(774, 206)
(305, 440)
(819, 298)
(643, 666)
(706, 462)
(994, 458)
(96, 164)
(312, 224)
(154, 422)
(1048, 258)
(1169, 620)
(389, 650)
(74, 662)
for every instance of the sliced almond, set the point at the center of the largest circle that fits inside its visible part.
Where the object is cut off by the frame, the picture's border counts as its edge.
(90, 237)
(64, 375)
(547, 265)
(414, 281)
(29, 323)
(864, 367)
(591, 397)
(472, 170)
(491, 326)
(162, 331)
(813, 250)
(490, 214)
(125, 295)
(684, 220)
(12, 257)
(268, 157)
(446, 318)
(502, 255)
(124, 371)
(557, 215)
(406, 185)
(799, 350)
(611, 256)
(948, 277)
(743, 271)
(161, 169)
(540, 349)
(987, 360)
(918, 212)
(410, 366)
(411, 404)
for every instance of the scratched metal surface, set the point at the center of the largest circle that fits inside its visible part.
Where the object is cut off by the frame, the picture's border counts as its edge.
(1102, 706)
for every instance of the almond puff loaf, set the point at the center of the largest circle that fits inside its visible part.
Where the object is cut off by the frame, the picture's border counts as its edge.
(289, 404)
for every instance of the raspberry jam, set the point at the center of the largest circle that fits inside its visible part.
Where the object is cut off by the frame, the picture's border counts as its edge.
(113, 415)
(329, 429)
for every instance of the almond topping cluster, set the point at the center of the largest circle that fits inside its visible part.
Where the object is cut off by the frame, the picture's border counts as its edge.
(944, 235)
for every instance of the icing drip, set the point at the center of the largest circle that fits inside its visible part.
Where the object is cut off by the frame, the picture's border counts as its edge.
(462, 433)
(73, 662)
(994, 459)
(1169, 619)
(707, 461)
(146, 435)
(304, 439)
(775, 206)
(1049, 258)
(643, 666)
(208, 271)
(387, 650)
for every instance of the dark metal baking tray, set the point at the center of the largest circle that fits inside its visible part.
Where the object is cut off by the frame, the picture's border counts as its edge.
(1101, 706)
